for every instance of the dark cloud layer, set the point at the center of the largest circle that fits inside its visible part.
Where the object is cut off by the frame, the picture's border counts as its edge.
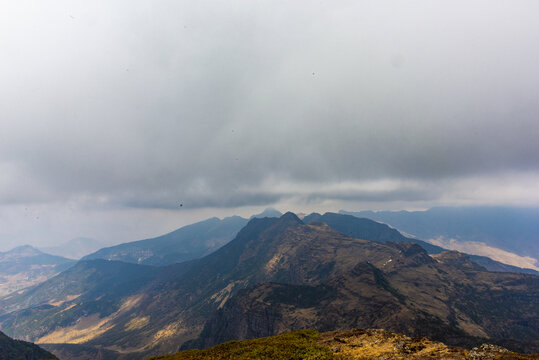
(219, 104)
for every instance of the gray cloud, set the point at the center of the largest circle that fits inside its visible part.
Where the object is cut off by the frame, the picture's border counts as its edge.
(144, 104)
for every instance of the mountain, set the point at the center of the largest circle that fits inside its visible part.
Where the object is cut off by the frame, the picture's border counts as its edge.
(25, 266)
(169, 311)
(508, 228)
(411, 291)
(350, 344)
(187, 243)
(21, 350)
(368, 229)
(281, 274)
(448, 298)
(74, 248)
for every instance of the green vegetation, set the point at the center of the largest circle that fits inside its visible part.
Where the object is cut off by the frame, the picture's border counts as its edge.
(295, 345)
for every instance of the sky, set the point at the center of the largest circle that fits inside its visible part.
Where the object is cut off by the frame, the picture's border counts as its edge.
(113, 113)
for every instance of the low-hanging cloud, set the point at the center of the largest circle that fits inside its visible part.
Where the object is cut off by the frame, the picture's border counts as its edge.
(143, 104)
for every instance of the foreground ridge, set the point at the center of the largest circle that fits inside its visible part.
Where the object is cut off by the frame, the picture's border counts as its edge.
(343, 345)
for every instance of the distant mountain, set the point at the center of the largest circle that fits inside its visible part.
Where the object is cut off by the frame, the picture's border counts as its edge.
(368, 229)
(11, 349)
(277, 274)
(187, 243)
(511, 229)
(25, 266)
(75, 248)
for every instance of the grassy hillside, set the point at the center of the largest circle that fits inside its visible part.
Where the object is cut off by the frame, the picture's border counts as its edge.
(295, 345)
(343, 345)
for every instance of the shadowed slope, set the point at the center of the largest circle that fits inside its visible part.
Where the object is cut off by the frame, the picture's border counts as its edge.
(11, 349)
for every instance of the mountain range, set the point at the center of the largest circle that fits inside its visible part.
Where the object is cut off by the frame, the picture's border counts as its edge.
(187, 243)
(327, 272)
(364, 228)
(511, 229)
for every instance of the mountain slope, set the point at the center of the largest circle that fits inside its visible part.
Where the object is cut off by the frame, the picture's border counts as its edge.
(90, 290)
(25, 266)
(187, 243)
(11, 349)
(450, 299)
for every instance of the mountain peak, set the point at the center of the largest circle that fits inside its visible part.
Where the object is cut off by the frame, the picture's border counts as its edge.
(291, 217)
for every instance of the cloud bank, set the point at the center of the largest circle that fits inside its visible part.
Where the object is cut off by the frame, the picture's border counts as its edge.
(227, 105)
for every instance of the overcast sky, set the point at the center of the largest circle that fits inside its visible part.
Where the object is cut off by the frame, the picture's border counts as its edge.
(112, 113)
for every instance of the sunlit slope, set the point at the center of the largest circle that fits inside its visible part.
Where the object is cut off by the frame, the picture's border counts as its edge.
(344, 345)
(77, 299)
